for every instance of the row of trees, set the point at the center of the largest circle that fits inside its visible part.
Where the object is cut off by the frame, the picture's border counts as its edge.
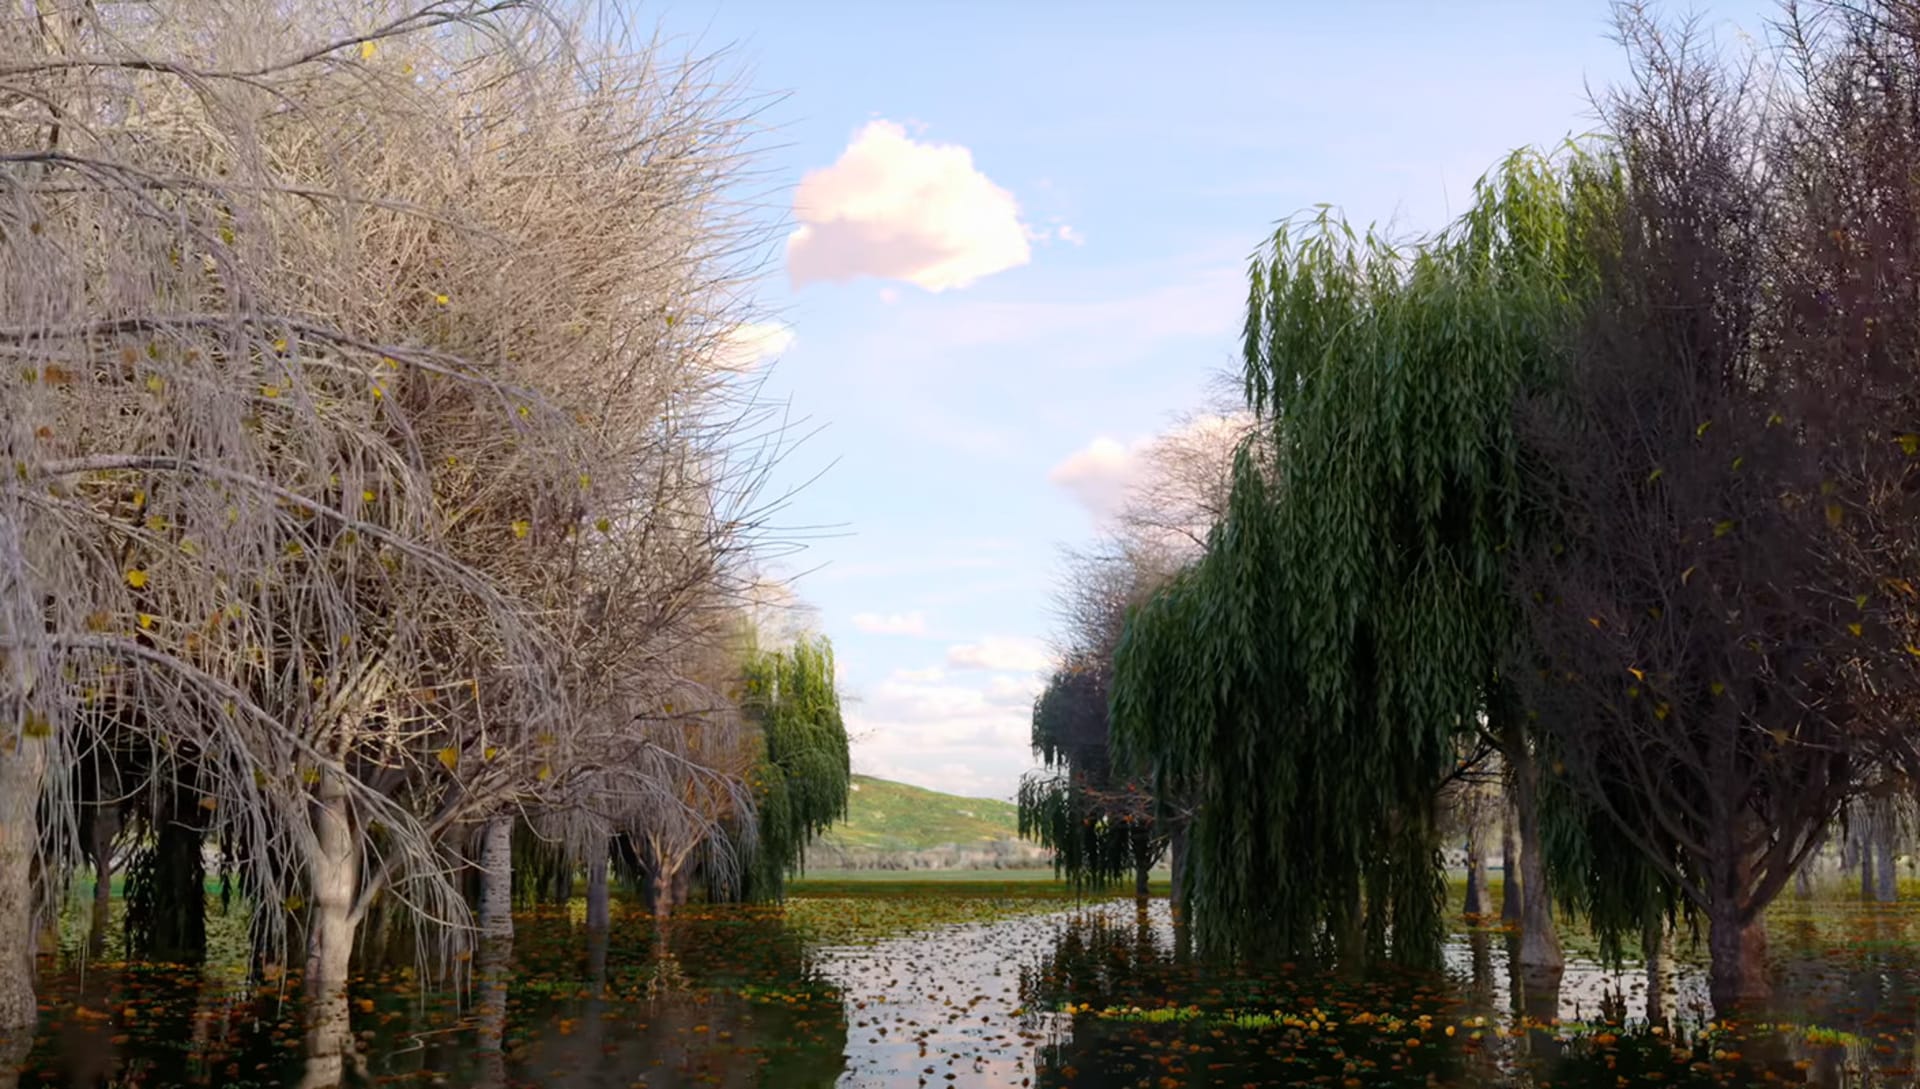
(380, 477)
(1608, 485)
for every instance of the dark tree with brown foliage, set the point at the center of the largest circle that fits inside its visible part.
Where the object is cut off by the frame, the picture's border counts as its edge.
(1724, 623)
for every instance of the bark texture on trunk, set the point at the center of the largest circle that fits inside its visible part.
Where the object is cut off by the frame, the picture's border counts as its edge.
(496, 880)
(1539, 944)
(1653, 944)
(599, 914)
(1738, 976)
(333, 872)
(23, 769)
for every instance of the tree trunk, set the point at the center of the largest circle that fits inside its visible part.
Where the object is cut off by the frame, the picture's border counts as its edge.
(1653, 941)
(1142, 888)
(659, 892)
(1886, 882)
(1177, 858)
(333, 871)
(178, 931)
(1539, 944)
(1477, 901)
(1738, 976)
(599, 915)
(496, 880)
(23, 768)
(682, 884)
(106, 829)
(1863, 851)
(1509, 868)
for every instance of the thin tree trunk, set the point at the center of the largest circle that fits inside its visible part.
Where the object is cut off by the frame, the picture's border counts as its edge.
(1653, 942)
(1142, 888)
(333, 871)
(1863, 851)
(106, 829)
(1509, 867)
(1886, 883)
(1477, 901)
(23, 768)
(1539, 944)
(496, 880)
(1177, 858)
(599, 915)
(659, 892)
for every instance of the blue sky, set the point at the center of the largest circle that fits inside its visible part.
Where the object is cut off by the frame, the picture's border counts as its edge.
(1027, 235)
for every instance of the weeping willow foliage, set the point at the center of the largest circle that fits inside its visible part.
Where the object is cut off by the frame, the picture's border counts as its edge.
(1310, 673)
(1100, 830)
(802, 782)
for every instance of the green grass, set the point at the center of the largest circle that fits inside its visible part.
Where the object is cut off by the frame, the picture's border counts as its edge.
(888, 816)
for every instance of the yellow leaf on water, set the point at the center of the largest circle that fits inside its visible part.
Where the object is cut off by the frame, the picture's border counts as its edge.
(136, 578)
(449, 757)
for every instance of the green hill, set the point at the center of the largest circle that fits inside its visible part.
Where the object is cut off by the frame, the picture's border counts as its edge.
(895, 826)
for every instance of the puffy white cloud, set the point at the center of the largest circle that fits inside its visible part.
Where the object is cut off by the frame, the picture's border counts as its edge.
(913, 623)
(1001, 654)
(894, 208)
(749, 344)
(1181, 469)
(1099, 474)
(918, 727)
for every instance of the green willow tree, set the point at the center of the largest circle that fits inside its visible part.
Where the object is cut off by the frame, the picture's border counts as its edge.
(1309, 676)
(1099, 824)
(801, 784)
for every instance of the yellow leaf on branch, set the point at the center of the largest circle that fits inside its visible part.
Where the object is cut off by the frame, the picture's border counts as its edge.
(449, 757)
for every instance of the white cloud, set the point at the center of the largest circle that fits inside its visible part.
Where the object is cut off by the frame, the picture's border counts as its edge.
(898, 209)
(913, 623)
(749, 344)
(1001, 654)
(1177, 468)
(919, 728)
(1099, 474)
(1068, 234)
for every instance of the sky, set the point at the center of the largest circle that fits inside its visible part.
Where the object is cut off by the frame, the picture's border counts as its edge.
(1009, 243)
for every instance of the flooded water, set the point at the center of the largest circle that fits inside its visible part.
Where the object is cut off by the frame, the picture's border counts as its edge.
(857, 993)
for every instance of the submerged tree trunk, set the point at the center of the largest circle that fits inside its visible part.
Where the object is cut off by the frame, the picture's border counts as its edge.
(1177, 859)
(496, 880)
(105, 830)
(333, 872)
(1886, 880)
(23, 769)
(599, 915)
(1477, 902)
(1509, 868)
(1653, 942)
(1738, 975)
(1539, 944)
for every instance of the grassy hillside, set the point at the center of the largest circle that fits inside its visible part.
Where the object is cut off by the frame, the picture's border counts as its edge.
(888, 816)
